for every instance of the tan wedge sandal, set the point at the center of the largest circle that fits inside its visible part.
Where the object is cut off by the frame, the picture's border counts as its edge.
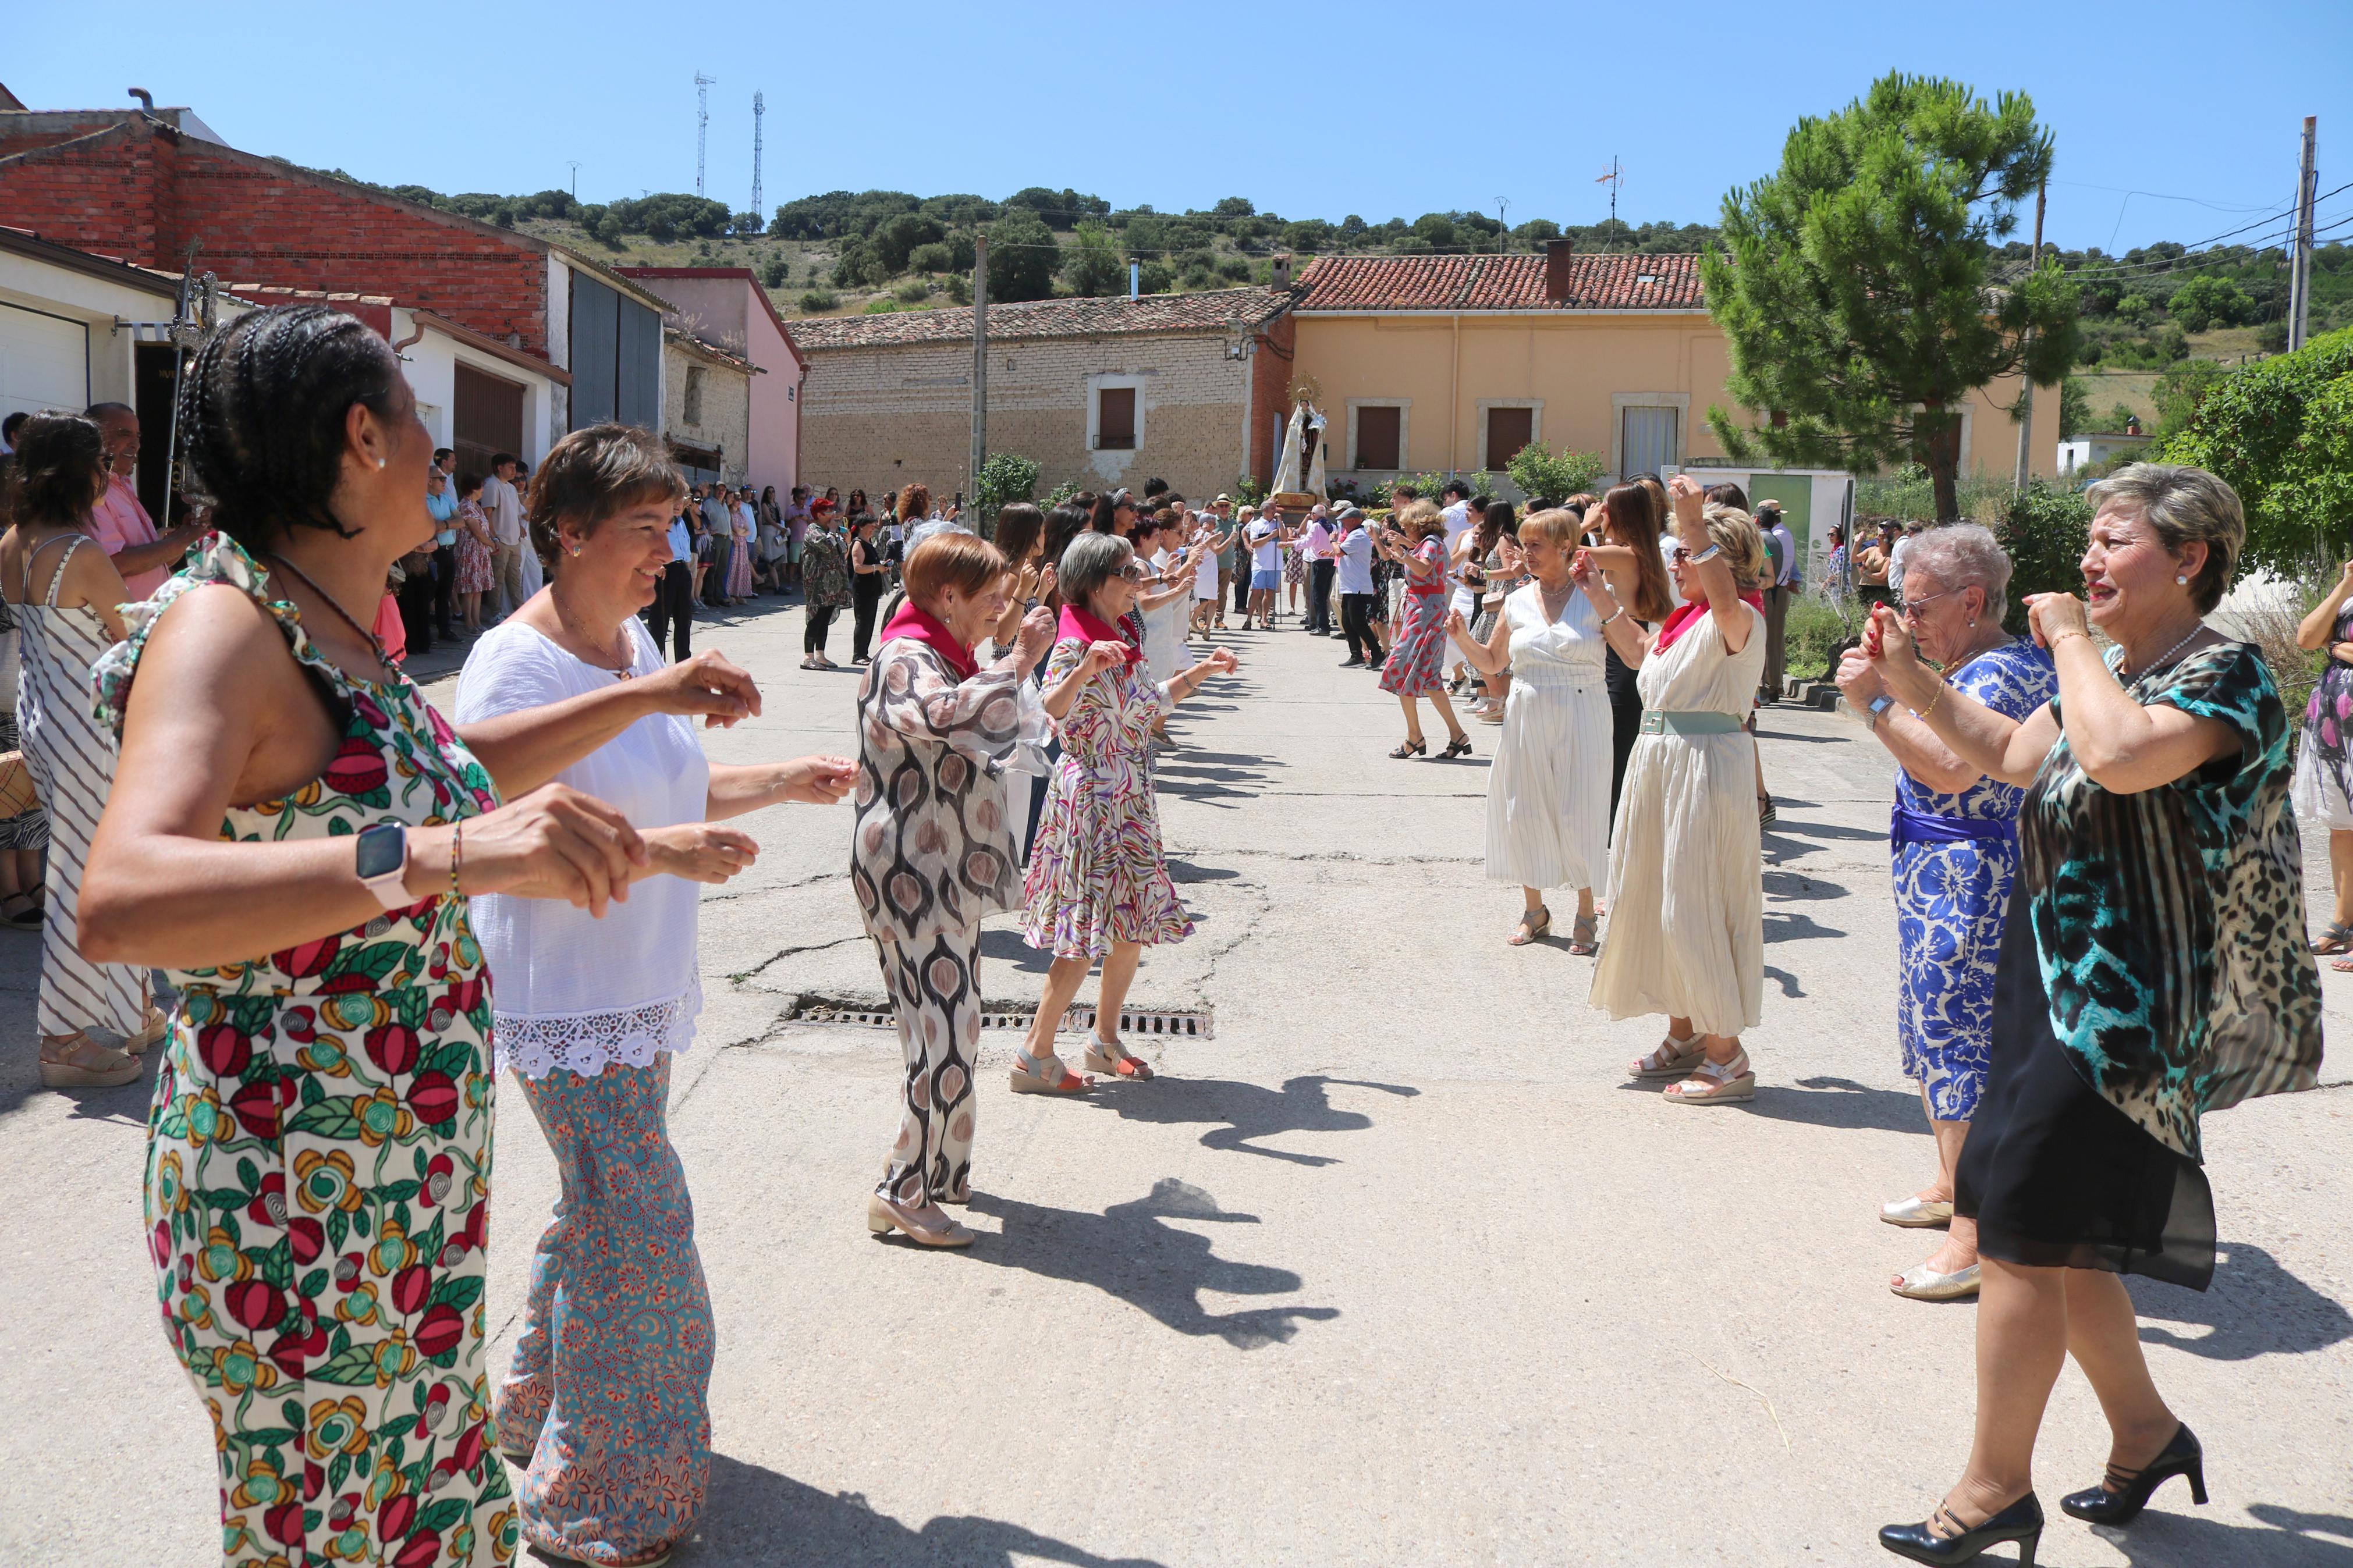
(1112, 1058)
(1033, 1075)
(1730, 1082)
(76, 1061)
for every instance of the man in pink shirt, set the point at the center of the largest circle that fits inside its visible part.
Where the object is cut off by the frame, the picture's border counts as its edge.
(118, 521)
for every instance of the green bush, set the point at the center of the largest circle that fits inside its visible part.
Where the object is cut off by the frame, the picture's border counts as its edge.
(1005, 478)
(882, 307)
(1815, 633)
(934, 257)
(2280, 431)
(914, 290)
(773, 272)
(2043, 530)
(817, 299)
(1554, 476)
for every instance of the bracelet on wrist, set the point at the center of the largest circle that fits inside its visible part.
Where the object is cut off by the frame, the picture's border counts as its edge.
(457, 854)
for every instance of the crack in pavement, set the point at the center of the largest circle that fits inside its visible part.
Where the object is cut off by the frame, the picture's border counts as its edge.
(742, 975)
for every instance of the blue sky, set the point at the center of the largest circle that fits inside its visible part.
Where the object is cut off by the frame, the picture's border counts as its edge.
(1373, 108)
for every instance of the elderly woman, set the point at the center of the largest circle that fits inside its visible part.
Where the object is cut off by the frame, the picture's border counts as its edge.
(293, 836)
(1417, 543)
(1954, 836)
(1098, 885)
(1548, 793)
(824, 583)
(1686, 877)
(2160, 973)
(2323, 790)
(934, 851)
(604, 1403)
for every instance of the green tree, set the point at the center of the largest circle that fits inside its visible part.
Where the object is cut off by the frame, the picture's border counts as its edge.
(2180, 391)
(1854, 286)
(1022, 257)
(1553, 476)
(1005, 478)
(2119, 412)
(2208, 302)
(1092, 264)
(2281, 431)
(2074, 408)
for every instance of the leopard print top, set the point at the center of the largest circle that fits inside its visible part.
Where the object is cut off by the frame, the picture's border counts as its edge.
(2169, 923)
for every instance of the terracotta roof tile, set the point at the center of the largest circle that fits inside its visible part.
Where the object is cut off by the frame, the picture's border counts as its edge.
(1212, 310)
(1597, 282)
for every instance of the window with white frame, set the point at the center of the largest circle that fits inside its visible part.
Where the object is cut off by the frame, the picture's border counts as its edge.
(1650, 431)
(1115, 413)
(1506, 427)
(1378, 428)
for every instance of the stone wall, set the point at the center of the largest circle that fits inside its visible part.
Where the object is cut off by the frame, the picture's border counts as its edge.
(726, 421)
(884, 417)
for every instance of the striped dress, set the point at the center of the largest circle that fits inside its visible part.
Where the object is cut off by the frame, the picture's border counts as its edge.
(72, 760)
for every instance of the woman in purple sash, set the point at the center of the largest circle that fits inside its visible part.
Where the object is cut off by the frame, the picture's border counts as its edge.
(1955, 838)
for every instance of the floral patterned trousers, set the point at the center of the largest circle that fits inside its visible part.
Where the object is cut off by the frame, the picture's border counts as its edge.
(606, 1401)
(934, 985)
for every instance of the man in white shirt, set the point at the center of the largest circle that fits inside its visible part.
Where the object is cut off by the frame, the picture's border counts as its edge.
(1782, 547)
(1315, 547)
(1265, 538)
(1354, 554)
(503, 507)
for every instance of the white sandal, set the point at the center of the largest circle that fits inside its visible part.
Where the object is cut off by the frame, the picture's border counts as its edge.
(1720, 1083)
(1673, 1059)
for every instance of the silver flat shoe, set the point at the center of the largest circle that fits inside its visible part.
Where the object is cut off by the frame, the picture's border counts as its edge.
(1917, 1213)
(1921, 1283)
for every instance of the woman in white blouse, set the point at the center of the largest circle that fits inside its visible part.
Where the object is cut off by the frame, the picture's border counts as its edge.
(605, 1401)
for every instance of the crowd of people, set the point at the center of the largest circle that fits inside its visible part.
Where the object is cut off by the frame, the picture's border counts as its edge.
(365, 910)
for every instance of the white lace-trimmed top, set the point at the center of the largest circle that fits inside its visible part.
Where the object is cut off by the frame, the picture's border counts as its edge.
(567, 990)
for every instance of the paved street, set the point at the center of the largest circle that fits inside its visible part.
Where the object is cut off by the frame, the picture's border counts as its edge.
(1395, 1268)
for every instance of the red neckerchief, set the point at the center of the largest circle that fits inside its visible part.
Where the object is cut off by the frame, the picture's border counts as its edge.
(1078, 625)
(915, 622)
(1680, 618)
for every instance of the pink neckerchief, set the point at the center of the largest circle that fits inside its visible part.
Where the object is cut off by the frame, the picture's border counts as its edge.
(1077, 624)
(924, 627)
(1680, 618)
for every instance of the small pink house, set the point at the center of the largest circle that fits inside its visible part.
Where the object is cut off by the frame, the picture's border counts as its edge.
(725, 307)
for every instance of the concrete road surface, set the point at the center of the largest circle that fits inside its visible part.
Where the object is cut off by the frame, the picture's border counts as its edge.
(1394, 1268)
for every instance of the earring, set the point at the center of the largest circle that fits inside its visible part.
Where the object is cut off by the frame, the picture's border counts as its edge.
(379, 462)
(2183, 581)
(576, 550)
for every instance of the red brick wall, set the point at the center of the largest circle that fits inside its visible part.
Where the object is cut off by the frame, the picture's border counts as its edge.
(145, 197)
(1270, 373)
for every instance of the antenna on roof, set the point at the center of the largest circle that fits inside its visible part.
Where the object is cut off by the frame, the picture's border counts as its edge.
(703, 86)
(759, 107)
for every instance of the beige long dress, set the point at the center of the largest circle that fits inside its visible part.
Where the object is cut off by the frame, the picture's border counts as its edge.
(1686, 932)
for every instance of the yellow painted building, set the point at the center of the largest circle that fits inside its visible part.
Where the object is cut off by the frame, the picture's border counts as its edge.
(1431, 363)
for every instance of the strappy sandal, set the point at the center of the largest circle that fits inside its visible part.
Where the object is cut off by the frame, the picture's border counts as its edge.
(1411, 749)
(2342, 965)
(1720, 1083)
(1111, 1056)
(1767, 814)
(2338, 938)
(80, 1062)
(1584, 936)
(22, 911)
(1458, 747)
(1535, 923)
(1029, 1076)
(1672, 1058)
(150, 1031)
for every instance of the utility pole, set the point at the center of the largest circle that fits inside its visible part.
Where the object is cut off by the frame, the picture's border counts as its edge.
(703, 86)
(2026, 383)
(2299, 276)
(979, 360)
(576, 177)
(759, 107)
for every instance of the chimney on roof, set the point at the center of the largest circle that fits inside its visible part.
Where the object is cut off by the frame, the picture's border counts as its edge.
(1282, 271)
(1556, 257)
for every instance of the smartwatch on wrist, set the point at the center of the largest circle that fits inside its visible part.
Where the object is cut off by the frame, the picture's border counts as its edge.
(1879, 707)
(381, 857)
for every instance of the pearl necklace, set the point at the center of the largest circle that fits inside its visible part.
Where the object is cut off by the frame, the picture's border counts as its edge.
(2158, 662)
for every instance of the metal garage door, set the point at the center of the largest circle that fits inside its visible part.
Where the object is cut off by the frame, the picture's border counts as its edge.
(43, 360)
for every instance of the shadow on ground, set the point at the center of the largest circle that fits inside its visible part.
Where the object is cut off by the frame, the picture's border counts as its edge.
(2254, 1308)
(1238, 1114)
(2173, 1534)
(754, 1515)
(1842, 1103)
(1129, 1252)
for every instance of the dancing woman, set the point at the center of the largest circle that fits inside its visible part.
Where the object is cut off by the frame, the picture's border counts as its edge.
(1548, 794)
(293, 835)
(934, 850)
(1686, 881)
(1417, 543)
(1626, 524)
(1098, 885)
(2160, 973)
(605, 1405)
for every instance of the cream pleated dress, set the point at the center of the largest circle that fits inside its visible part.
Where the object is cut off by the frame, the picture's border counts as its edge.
(1548, 792)
(1686, 876)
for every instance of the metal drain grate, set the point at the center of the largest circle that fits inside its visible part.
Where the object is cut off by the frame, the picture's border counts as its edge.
(1179, 1022)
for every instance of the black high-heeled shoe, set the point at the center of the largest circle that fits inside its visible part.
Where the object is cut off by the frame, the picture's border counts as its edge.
(2021, 1521)
(2120, 1498)
(1458, 747)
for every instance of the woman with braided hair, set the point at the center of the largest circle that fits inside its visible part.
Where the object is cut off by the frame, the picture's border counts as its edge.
(292, 835)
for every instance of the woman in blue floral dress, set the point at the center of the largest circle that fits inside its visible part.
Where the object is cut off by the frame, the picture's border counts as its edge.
(291, 837)
(1955, 838)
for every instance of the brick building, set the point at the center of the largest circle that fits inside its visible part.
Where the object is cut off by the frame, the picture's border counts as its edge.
(1185, 387)
(148, 184)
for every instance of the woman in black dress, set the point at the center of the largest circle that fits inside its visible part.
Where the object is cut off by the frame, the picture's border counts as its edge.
(868, 575)
(1627, 522)
(2162, 879)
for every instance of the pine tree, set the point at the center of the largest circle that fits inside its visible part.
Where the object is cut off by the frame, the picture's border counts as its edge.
(1855, 286)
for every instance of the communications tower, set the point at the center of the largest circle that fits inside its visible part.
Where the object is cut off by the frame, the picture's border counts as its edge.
(759, 107)
(703, 86)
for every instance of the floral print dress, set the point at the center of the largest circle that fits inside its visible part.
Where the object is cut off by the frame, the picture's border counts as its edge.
(1952, 895)
(1416, 663)
(319, 1164)
(1097, 875)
